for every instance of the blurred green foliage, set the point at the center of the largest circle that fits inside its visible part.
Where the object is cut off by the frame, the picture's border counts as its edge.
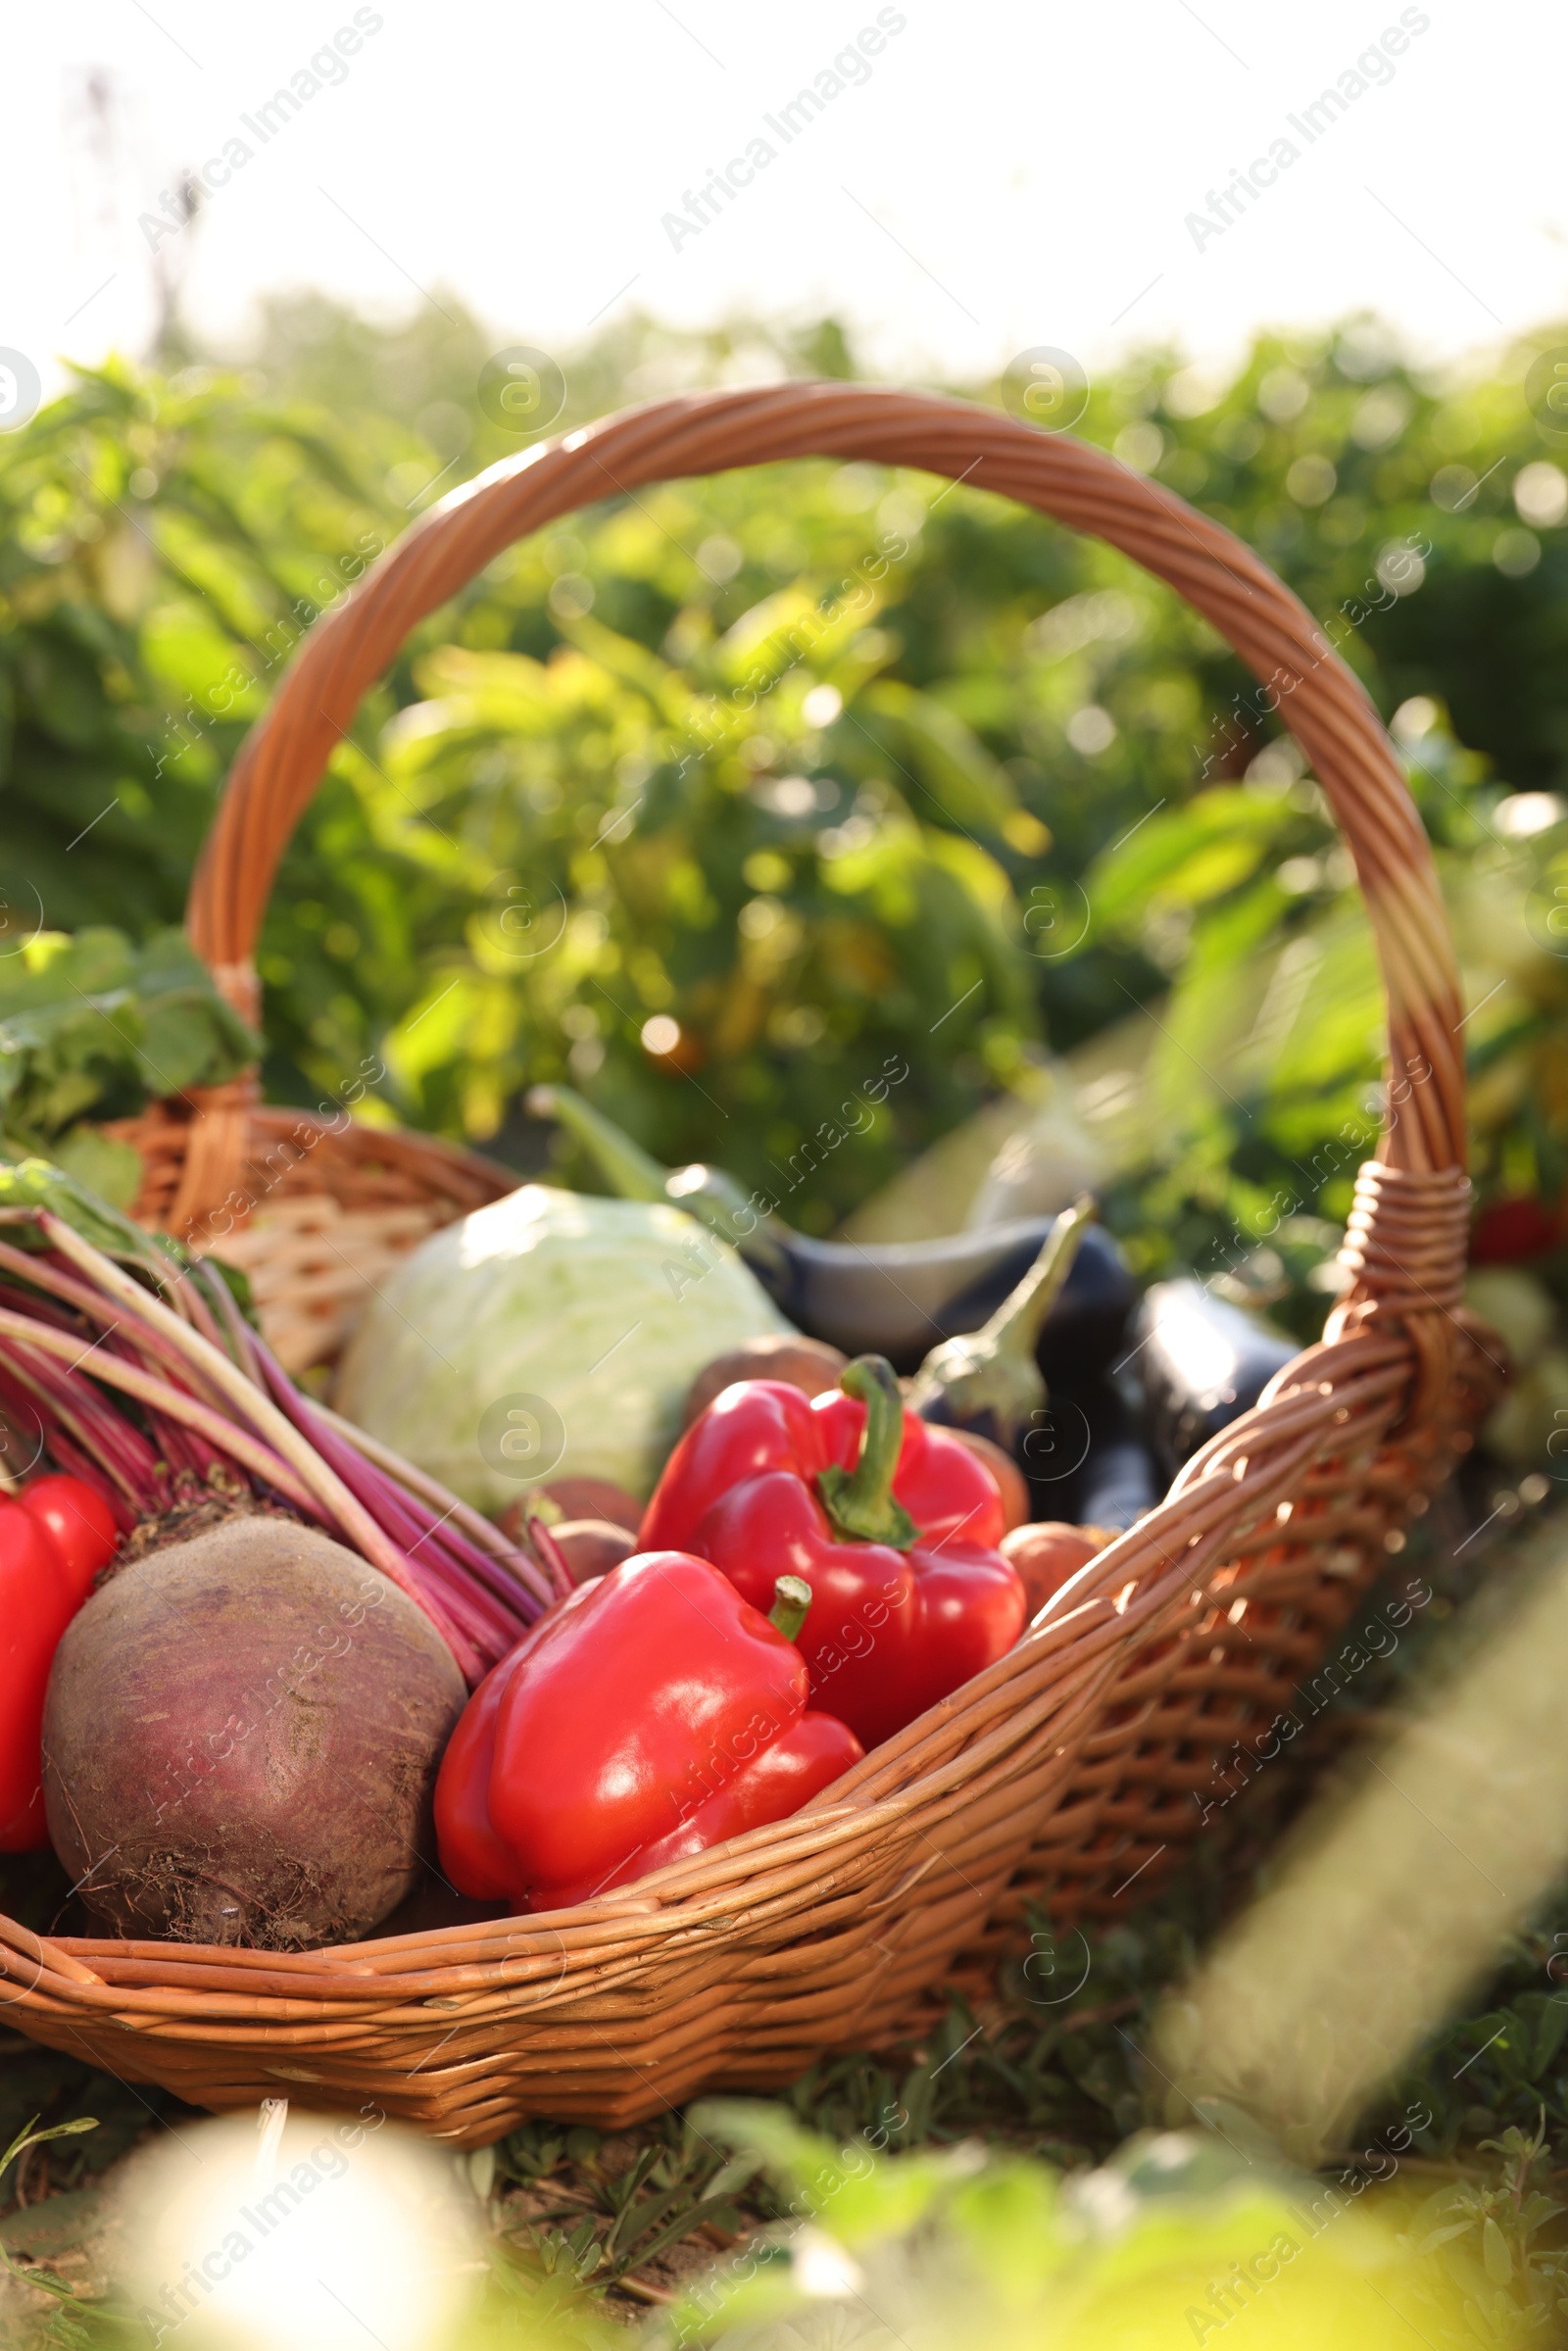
(89, 1026)
(712, 797)
(1178, 2237)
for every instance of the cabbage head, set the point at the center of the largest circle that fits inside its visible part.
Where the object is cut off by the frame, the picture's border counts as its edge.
(550, 1334)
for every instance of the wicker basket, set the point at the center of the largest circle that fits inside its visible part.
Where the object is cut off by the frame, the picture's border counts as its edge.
(1075, 1769)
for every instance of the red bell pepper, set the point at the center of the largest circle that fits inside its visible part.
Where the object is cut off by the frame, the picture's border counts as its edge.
(650, 1715)
(52, 1543)
(892, 1522)
(78, 1522)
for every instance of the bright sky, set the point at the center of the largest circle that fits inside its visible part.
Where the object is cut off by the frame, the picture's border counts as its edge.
(991, 178)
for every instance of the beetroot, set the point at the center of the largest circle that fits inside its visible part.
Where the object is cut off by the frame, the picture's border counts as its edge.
(241, 1739)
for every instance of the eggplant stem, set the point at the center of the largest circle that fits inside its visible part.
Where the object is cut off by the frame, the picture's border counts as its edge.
(634, 1173)
(991, 1374)
(1018, 1321)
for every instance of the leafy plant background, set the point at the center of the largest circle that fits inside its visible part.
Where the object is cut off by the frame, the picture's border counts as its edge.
(567, 814)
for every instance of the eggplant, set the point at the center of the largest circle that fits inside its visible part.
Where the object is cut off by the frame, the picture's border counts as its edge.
(1086, 1330)
(897, 1299)
(1202, 1363)
(989, 1382)
(1119, 1479)
(1086, 1459)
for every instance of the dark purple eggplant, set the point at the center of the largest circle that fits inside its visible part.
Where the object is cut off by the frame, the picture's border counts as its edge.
(989, 1381)
(897, 1299)
(1120, 1482)
(1086, 1330)
(1202, 1363)
(1086, 1459)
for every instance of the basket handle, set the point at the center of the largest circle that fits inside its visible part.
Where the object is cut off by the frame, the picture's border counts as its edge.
(282, 759)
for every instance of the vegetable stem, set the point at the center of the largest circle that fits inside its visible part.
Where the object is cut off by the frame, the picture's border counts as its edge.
(792, 1599)
(1018, 1321)
(713, 1198)
(480, 1532)
(622, 1162)
(412, 1527)
(116, 1372)
(323, 1488)
(859, 1500)
(206, 1409)
(991, 1375)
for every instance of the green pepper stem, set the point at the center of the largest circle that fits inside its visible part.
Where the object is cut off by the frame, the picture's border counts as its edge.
(791, 1597)
(633, 1172)
(859, 1500)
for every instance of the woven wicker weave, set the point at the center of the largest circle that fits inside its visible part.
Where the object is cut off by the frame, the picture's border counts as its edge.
(313, 1209)
(1079, 1765)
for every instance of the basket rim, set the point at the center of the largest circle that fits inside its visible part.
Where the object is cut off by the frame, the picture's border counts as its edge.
(282, 759)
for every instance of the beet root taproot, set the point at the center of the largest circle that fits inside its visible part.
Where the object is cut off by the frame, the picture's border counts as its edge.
(240, 1742)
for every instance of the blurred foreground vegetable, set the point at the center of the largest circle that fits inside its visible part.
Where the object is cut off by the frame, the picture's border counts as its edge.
(1395, 1896)
(283, 2231)
(1179, 2239)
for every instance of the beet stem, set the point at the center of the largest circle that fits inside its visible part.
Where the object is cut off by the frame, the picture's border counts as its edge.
(115, 1372)
(259, 1427)
(478, 1532)
(324, 1489)
(77, 1406)
(501, 1569)
(503, 1605)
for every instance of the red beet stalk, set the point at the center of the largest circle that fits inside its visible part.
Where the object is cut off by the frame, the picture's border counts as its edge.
(480, 1603)
(433, 1546)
